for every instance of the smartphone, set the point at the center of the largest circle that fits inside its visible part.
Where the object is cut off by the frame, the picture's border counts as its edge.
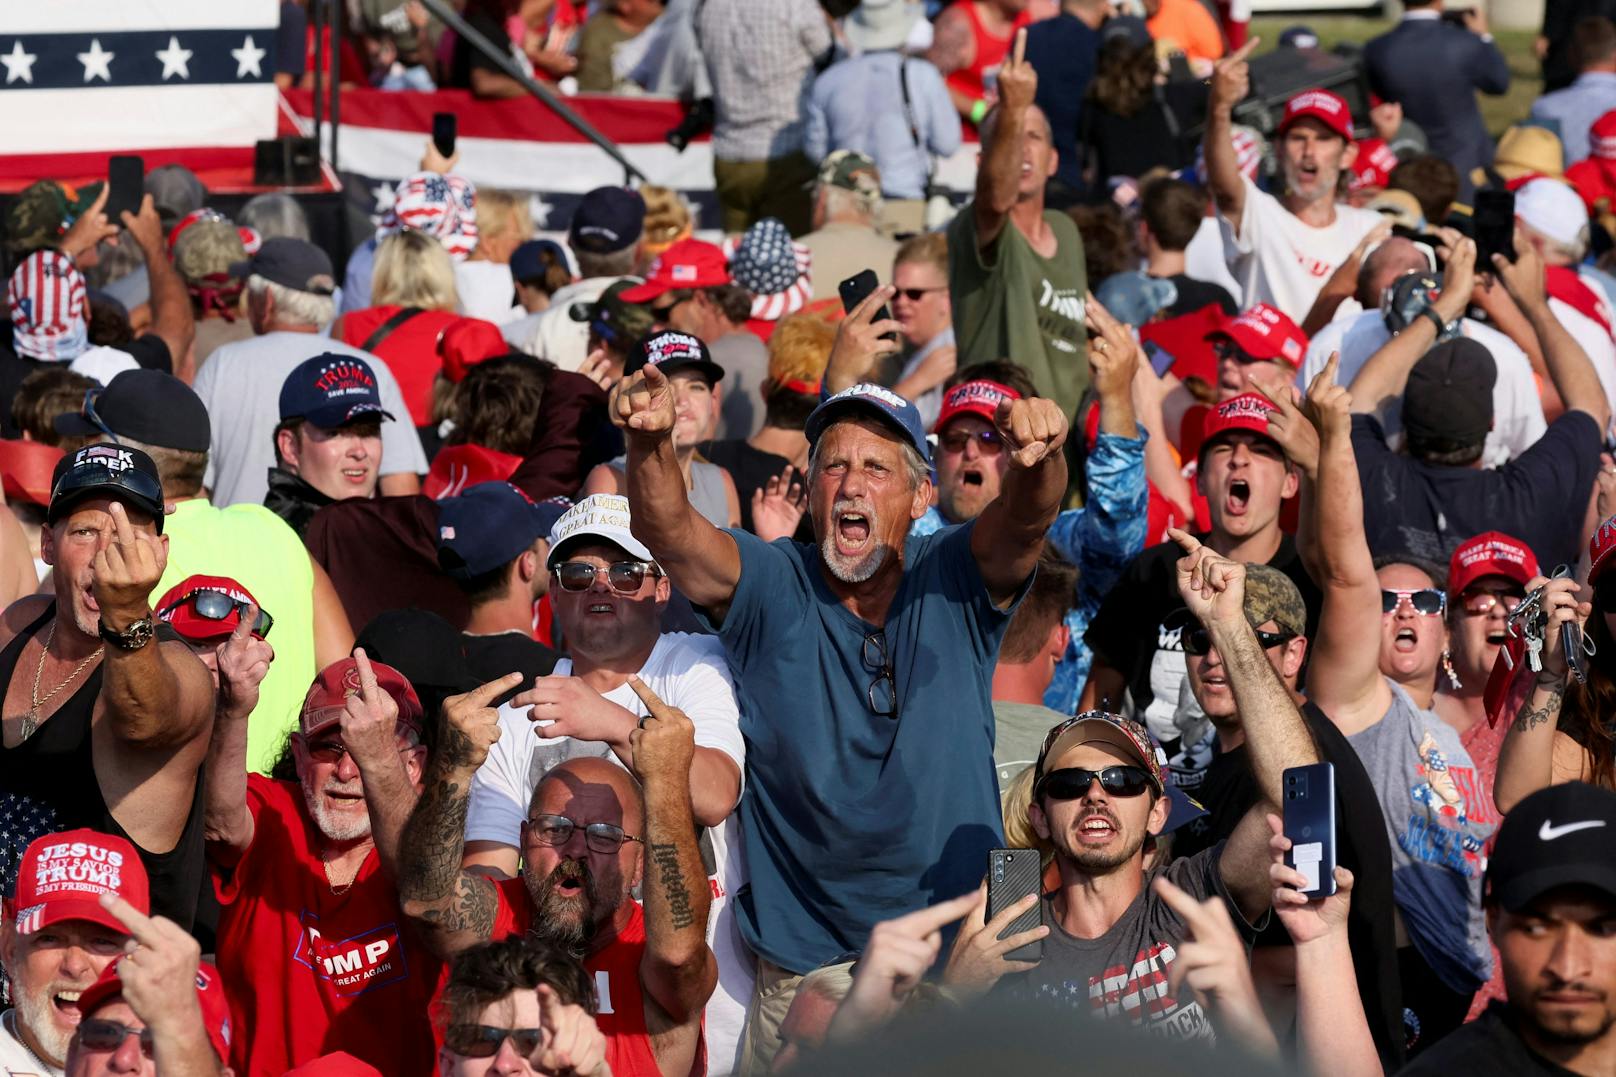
(1495, 226)
(444, 129)
(1161, 360)
(126, 185)
(1309, 812)
(1012, 875)
(856, 289)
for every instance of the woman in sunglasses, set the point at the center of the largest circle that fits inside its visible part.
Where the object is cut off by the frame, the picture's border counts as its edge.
(1563, 729)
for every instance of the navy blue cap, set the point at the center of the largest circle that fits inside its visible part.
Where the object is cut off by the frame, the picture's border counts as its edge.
(875, 400)
(1298, 37)
(490, 525)
(292, 263)
(607, 219)
(331, 389)
(527, 260)
(671, 350)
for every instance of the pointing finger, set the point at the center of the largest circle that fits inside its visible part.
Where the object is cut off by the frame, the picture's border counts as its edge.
(923, 922)
(484, 694)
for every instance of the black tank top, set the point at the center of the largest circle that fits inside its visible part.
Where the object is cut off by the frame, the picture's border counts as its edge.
(48, 784)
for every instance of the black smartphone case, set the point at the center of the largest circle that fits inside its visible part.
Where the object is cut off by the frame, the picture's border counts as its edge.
(1012, 875)
(1310, 824)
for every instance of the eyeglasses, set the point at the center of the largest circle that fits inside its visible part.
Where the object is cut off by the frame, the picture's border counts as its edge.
(99, 1034)
(484, 1041)
(882, 694)
(88, 411)
(556, 830)
(915, 295)
(332, 751)
(1197, 641)
(1427, 601)
(1483, 602)
(624, 577)
(1072, 783)
(988, 442)
(215, 605)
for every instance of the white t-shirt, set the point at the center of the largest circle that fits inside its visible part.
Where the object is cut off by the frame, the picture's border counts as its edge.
(1279, 260)
(1204, 259)
(1517, 409)
(689, 672)
(487, 291)
(560, 339)
(15, 1059)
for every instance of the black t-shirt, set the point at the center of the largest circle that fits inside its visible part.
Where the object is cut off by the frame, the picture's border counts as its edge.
(493, 656)
(465, 59)
(149, 351)
(1137, 630)
(1539, 497)
(751, 469)
(1229, 790)
(1484, 1047)
(1194, 294)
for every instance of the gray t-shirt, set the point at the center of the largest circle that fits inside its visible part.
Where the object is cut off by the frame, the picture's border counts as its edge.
(1019, 733)
(1122, 975)
(1438, 818)
(745, 360)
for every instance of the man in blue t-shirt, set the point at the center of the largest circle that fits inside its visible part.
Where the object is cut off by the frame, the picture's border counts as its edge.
(863, 663)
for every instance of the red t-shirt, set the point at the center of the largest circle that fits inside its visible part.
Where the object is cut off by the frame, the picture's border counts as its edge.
(410, 351)
(616, 970)
(309, 971)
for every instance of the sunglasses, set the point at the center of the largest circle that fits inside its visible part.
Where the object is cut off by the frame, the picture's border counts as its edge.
(1072, 783)
(624, 577)
(556, 830)
(1483, 602)
(215, 605)
(1427, 601)
(987, 441)
(1227, 349)
(1198, 641)
(882, 694)
(332, 751)
(662, 310)
(99, 1034)
(915, 295)
(484, 1041)
(89, 412)
(99, 475)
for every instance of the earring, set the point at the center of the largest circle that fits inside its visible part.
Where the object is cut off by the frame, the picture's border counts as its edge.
(1447, 667)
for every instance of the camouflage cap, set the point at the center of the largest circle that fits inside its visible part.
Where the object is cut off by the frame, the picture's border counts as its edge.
(852, 171)
(208, 248)
(1272, 596)
(43, 212)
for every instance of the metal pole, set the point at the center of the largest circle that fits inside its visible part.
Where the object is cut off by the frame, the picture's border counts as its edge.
(337, 27)
(509, 66)
(317, 14)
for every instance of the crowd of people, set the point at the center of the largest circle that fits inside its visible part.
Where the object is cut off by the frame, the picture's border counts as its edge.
(626, 653)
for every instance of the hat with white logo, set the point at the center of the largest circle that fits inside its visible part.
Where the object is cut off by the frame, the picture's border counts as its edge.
(1564, 835)
(62, 877)
(602, 517)
(875, 401)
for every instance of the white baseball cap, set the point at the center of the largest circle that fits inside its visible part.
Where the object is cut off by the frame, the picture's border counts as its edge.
(1554, 210)
(600, 516)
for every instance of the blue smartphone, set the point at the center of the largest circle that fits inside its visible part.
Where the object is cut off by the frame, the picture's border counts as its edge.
(1309, 811)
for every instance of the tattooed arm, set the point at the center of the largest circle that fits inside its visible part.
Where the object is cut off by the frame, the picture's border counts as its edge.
(1535, 753)
(678, 971)
(453, 908)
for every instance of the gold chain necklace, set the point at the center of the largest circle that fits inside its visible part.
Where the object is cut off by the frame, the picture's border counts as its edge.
(30, 721)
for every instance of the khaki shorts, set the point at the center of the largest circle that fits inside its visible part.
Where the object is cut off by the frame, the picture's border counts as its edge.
(748, 191)
(771, 998)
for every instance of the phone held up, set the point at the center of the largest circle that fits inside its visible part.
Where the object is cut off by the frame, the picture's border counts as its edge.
(1309, 811)
(444, 130)
(126, 186)
(1012, 875)
(855, 289)
(1495, 226)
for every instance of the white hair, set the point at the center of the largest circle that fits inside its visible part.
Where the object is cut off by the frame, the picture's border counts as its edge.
(293, 307)
(1558, 252)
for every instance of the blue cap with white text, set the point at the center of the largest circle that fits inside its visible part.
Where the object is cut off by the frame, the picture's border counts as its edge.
(875, 400)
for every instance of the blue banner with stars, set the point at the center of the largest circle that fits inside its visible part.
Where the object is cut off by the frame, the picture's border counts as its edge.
(136, 58)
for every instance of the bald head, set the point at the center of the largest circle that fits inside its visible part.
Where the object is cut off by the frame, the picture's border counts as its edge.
(1384, 265)
(592, 786)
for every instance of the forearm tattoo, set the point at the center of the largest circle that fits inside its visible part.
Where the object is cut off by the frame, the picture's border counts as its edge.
(430, 874)
(1532, 717)
(666, 859)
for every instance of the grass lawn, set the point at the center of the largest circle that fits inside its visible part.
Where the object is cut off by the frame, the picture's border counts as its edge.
(1499, 112)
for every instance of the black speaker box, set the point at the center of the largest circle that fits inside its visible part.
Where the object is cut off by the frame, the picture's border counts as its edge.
(286, 162)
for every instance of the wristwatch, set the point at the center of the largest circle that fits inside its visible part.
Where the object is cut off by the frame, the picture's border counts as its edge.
(137, 635)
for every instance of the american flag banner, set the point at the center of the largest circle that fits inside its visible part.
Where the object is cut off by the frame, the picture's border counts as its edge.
(168, 79)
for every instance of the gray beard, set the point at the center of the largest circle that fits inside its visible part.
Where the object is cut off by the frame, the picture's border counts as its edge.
(858, 571)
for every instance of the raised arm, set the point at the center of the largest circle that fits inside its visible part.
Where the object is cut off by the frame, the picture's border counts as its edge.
(1344, 676)
(998, 181)
(243, 662)
(701, 561)
(1569, 366)
(678, 970)
(1231, 81)
(370, 733)
(1381, 382)
(1535, 754)
(454, 908)
(170, 303)
(1009, 535)
(1214, 589)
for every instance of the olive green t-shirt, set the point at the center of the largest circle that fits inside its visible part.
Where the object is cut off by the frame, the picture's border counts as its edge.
(596, 42)
(1011, 303)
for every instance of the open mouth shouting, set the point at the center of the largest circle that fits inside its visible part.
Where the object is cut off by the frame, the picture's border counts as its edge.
(853, 528)
(1238, 498)
(65, 1006)
(1097, 828)
(1407, 641)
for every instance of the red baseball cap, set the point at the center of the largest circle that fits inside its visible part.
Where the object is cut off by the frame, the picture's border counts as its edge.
(1328, 108)
(468, 342)
(1602, 137)
(689, 263)
(173, 608)
(26, 468)
(1600, 548)
(978, 397)
(328, 695)
(1248, 411)
(62, 877)
(1372, 168)
(1264, 332)
(1491, 553)
(210, 997)
(336, 1064)
(1185, 339)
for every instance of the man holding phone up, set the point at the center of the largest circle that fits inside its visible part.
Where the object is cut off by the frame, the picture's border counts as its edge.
(1099, 798)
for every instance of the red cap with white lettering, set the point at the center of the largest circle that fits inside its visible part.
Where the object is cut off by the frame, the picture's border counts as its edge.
(1600, 548)
(1328, 108)
(62, 877)
(210, 998)
(1265, 332)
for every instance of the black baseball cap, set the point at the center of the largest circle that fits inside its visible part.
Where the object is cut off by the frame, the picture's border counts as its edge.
(607, 219)
(1449, 396)
(292, 263)
(145, 405)
(672, 350)
(1564, 835)
(331, 389)
(107, 470)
